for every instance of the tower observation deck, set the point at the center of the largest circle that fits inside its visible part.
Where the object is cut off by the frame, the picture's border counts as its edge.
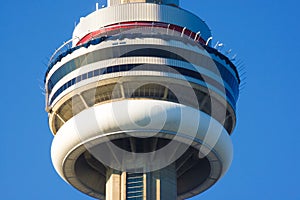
(140, 105)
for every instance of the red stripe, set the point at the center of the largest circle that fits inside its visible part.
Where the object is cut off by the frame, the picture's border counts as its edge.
(130, 25)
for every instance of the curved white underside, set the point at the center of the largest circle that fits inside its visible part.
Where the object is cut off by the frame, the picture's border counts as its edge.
(142, 117)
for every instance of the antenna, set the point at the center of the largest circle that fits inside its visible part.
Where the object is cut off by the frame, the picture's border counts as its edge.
(234, 57)
(208, 40)
(197, 34)
(228, 52)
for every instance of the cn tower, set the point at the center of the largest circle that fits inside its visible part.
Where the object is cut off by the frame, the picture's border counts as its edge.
(141, 104)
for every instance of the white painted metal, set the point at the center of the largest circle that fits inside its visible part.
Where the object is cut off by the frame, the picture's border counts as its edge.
(208, 40)
(140, 12)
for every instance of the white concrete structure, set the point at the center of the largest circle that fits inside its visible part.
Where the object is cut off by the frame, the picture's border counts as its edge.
(140, 106)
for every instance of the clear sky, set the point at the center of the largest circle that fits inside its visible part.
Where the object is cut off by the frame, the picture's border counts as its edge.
(264, 33)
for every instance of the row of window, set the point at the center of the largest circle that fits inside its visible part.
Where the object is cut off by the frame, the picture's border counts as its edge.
(148, 67)
(173, 92)
(116, 29)
(140, 50)
(220, 69)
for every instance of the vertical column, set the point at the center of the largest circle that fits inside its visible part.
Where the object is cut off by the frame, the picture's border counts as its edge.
(113, 185)
(167, 183)
(123, 186)
(162, 184)
(157, 189)
(145, 187)
(158, 185)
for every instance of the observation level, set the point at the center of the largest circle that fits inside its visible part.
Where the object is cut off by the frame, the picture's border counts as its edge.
(140, 105)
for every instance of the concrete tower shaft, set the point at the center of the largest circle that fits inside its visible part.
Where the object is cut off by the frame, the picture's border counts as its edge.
(141, 107)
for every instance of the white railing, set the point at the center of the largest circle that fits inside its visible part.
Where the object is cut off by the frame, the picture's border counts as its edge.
(65, 44)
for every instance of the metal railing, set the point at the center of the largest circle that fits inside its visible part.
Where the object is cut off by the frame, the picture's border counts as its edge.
(58, 51)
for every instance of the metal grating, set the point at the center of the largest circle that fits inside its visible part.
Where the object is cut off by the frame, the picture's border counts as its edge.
(134, 186)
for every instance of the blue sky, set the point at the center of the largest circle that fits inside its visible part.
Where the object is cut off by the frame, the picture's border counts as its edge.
(266, 140)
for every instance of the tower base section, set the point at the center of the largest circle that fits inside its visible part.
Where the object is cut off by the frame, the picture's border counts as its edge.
(157, 185)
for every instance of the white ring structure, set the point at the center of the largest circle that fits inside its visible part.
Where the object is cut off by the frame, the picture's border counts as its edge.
(69, 143)
(139, 12)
